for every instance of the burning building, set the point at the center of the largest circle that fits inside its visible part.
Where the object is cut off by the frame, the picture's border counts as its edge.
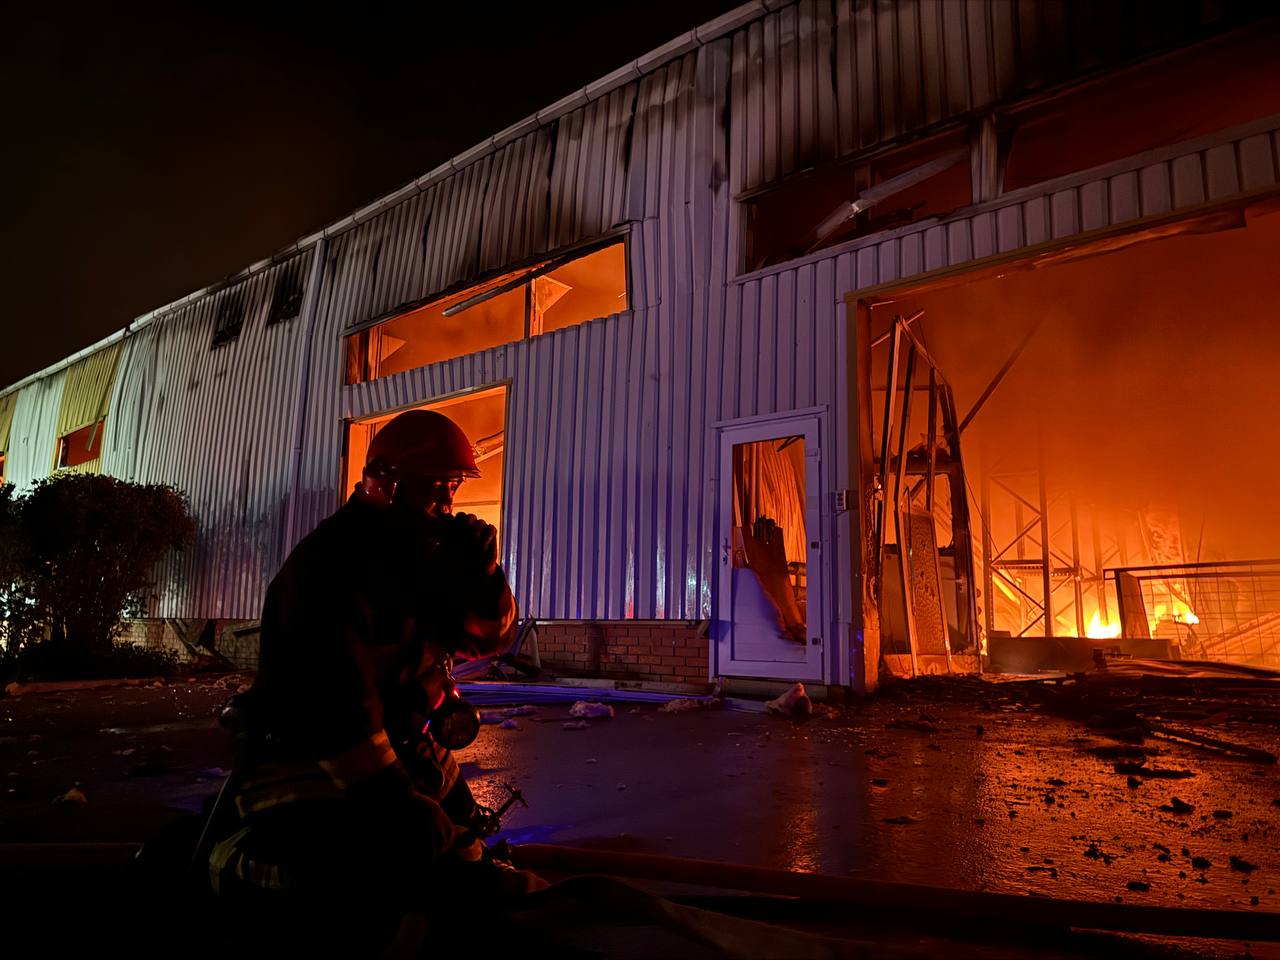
(825, 339)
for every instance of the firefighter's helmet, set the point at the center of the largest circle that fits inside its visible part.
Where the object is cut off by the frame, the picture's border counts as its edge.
(421, 443)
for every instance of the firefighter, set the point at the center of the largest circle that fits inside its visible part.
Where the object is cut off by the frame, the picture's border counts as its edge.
(345, 788)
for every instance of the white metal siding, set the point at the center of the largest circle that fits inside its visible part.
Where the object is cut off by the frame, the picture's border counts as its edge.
(33, 434)
(218, 425)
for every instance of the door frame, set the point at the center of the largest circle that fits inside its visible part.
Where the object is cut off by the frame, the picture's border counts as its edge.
(811, 423)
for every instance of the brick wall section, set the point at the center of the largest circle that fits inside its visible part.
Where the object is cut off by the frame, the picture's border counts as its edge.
(662, 651)
(154, 635)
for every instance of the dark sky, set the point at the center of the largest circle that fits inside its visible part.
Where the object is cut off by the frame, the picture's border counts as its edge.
(149, 151)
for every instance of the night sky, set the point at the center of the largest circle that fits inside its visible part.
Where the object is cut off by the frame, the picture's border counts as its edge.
(151, 151)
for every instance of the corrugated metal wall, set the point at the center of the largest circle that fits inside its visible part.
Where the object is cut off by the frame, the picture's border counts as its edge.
(33, 434)
(218, 424)
(611, 453)
(87, 390)
(86, 393)
(816, 81)
(7, 403)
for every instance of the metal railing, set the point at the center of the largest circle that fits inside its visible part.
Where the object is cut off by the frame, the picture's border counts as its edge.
(1228, 611)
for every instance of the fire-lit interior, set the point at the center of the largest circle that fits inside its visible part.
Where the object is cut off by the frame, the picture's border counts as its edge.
(482, 417)
(769, 535)
(525, 303)
(1136, 429)
(81, 446)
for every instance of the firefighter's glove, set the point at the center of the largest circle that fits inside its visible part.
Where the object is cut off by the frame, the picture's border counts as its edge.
(476, 542)
(487, 876)
(467, 846)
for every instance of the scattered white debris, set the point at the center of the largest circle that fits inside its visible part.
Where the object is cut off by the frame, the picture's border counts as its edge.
(577, 725)
(498, 716)
(126, 752)
(592, 760)
(795, 703)
(596, 711)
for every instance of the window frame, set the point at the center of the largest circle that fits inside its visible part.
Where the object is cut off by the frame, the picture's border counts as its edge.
(61, 457)
(520, 275)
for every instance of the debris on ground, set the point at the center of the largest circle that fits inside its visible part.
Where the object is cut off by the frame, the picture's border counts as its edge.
(1176, 805)
(1138, 886)
(923, 725)
(499, 716)
(1241, 865)
(680, 705)
(1094, 852)
(794, 704)
(1152, 773)
(151, 767)
(1200, 863)
(900, 820)
(509, 724)
(593, 710)
(75, 795)
(577, 725)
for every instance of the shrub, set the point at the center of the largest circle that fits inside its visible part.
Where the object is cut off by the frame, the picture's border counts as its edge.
(83, 551)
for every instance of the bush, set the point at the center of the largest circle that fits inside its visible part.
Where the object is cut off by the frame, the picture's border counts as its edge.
(76, 556)
(58, 661)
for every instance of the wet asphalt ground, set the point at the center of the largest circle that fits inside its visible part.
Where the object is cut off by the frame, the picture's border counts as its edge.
(991, 796)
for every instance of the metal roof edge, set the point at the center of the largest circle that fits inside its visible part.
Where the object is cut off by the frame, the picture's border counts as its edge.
(649, 62)
(64, 362)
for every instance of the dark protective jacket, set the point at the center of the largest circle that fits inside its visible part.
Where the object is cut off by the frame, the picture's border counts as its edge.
(354, 630)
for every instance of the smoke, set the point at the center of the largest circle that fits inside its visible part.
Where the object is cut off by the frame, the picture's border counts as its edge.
(1153, 379)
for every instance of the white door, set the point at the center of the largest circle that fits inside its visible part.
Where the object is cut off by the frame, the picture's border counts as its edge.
(769, 620)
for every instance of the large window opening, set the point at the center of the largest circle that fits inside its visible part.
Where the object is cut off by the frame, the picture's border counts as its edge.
(1117, 414)
(1180, 97)
(539, 299)
(482, 417)
(817, 210)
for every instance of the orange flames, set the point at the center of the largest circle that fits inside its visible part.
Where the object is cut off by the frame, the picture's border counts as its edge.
(1097, 630)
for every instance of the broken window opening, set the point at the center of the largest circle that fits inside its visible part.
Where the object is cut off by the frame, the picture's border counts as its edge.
(286, 297)
(1215, 86)
(813, 211)
(545, 297)
(230, 319)
(81, 446)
